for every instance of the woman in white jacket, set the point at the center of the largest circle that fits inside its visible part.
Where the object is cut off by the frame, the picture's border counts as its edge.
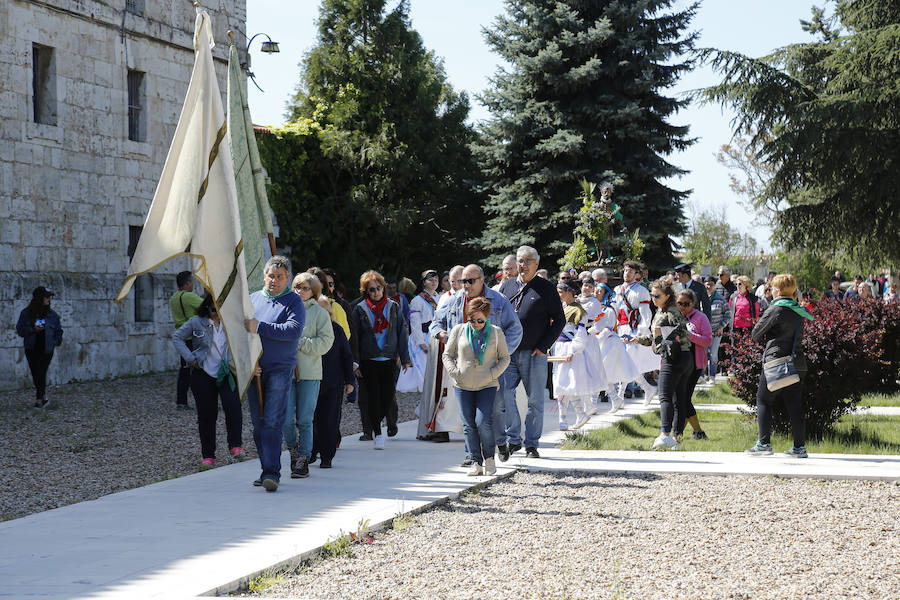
(475, 356)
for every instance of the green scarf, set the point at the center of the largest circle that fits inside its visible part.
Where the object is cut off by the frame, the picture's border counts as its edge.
(794, 306)
(479, 339)
(225, 374)
(287, 290)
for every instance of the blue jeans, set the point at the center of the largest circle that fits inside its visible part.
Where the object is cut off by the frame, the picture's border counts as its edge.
(267, 427)
(477, 410)
(713, 353)
(301, 407)
(532, 372)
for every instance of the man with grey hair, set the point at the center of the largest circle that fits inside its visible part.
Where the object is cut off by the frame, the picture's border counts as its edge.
(453, 313)
(540, 312)
(509, 270)
(455, 275)
(279, 320)
(602, 291)
(725, 286)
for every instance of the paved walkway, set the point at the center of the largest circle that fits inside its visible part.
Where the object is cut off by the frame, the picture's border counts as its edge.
(208, 532)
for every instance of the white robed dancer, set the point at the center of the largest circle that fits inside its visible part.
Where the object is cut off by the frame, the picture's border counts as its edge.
(634, 320)
(581, 376)
(588, 302)
(421, 312)
(617, 363)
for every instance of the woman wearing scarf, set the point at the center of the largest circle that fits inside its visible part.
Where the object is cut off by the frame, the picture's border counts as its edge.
(781, 329)
(380, 338)
(212, 380)
(475, 356)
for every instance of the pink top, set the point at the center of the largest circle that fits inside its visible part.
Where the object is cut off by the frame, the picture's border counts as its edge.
(742, 315)
(701, 336)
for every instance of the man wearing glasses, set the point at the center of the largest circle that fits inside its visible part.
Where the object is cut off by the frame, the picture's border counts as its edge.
(540, 312)
(453, 313)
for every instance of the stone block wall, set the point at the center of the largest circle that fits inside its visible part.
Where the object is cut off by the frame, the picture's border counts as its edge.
(70, 191)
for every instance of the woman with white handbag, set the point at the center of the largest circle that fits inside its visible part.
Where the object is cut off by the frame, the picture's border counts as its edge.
(784, 366)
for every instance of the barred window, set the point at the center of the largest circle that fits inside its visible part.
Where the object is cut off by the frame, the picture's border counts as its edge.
(137, 118)
(135, 6)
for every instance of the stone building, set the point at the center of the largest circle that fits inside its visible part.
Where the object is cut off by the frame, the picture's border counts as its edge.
(90, 94)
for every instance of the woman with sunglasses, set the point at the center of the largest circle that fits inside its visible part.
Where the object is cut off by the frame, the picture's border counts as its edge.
(316, 340)
(381, 338)
(212, 380)
(670, 339)
(475, 356)
(700, 334)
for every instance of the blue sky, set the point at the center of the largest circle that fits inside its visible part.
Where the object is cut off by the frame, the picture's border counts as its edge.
(453, 29)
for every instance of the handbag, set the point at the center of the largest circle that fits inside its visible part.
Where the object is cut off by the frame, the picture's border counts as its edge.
(781, 372)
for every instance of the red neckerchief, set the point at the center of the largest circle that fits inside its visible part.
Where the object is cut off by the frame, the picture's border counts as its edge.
(633, 314)
(427, 297)
(381, 323)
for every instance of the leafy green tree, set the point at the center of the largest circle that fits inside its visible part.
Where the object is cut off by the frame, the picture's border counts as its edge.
(711, 240)
(581, 99)
(394, 144)
(824, 116)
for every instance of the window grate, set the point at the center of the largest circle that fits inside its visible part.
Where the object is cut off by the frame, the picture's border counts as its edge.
(136, 124)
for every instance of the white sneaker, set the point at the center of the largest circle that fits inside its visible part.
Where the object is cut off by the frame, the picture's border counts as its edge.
(664, 442)
(580, 422)
(379, 442)
(592, 411)
(563, 425)
(490, 467)
(614, 405)
(649, 396)
(477, 470)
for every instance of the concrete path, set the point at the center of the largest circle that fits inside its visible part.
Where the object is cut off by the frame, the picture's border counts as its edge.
(208, 532)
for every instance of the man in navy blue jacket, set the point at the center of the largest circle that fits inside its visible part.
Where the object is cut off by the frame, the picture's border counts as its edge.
(540, 312)
(279, 321)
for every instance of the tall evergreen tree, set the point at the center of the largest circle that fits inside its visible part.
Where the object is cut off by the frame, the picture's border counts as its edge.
(583, 98)
(824, 117)
(395, 136)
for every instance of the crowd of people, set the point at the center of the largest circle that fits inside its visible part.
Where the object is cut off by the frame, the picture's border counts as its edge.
(465, 347)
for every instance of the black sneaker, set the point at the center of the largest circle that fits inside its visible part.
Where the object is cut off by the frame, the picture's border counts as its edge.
(628, 393)
(392, 431)
(699, 435)
(301, 470)
(467, 462)
(270, 484)
(531, 453)
(182, 407)
(638, 393)
(257, 482)
(325, 464)
(503, 453)
(365, 437)
(513, 448)
(441, 436)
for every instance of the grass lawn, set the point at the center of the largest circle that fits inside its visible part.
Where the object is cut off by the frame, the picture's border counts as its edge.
(720, 393)
(730, 432)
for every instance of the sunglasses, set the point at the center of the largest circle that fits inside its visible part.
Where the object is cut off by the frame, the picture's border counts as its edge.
(685, 303)
(470, 280)
(656, 295)
(302, 288)
(330, 284)
(479, 321)
(376, 288)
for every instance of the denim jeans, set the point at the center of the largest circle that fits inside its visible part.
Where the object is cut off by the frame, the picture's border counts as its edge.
(477, 410)
(267, 427)
(301, 407)
(532, 372)
(713, 354)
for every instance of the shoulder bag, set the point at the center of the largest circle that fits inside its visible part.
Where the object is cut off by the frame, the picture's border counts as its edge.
(781, 372)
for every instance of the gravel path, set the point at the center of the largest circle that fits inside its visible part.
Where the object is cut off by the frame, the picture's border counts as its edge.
(107, 436)
(590, 536)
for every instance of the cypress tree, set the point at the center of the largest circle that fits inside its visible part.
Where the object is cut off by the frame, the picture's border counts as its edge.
(582, 98)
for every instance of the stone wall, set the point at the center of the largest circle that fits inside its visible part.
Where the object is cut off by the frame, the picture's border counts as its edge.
(69, 191)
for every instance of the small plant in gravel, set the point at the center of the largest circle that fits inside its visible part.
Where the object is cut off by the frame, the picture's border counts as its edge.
(340, 546)
(264, 580)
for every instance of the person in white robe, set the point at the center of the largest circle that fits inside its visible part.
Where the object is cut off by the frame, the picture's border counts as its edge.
(421, 312)
(634, 320)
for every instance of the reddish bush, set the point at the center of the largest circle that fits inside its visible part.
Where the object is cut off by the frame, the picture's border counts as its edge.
(852, 347)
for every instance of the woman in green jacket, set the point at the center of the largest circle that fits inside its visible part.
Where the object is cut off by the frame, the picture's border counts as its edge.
(316, 340)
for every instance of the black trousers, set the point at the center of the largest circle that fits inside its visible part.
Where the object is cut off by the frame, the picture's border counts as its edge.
(673, 375)
(686, 389)
(327, 422)
(792, 396)
(184, 382)
(379, 383)
(38, 364)
(207, 394)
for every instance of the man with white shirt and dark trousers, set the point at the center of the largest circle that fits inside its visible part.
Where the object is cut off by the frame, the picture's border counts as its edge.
(540, 312)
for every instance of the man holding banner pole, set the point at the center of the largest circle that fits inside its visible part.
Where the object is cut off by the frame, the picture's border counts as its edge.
(278, 320)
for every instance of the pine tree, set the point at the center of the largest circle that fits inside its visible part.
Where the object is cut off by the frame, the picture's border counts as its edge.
(395, 136)
(582, 99)
(824, 117)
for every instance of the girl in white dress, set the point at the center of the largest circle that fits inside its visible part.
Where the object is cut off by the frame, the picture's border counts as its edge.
(617, 363)
(421, 312)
